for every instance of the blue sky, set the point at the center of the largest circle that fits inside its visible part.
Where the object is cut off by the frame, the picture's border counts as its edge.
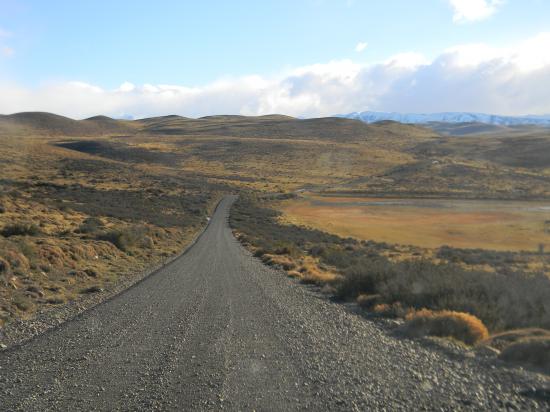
(256, 56)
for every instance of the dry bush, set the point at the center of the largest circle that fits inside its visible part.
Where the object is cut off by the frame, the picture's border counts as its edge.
(125, 239)
(259, 252)
(395, 310)
(90, 225)
(458, 325)
(20, 229)
(52, 254)
(22, 303)
(534, 351)
(17, 261)
(381, 308)
(368, 301)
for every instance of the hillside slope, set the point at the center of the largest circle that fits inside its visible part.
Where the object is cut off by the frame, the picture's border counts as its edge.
(42, 123)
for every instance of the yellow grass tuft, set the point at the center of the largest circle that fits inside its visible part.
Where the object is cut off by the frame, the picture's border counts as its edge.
(286, 262)
(312, 274)
(458, 325)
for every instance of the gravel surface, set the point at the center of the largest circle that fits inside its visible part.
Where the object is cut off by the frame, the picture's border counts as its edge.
(216, 329)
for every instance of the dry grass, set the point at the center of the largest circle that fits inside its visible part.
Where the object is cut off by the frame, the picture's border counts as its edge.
(313, 274)
(72, 224)
(426, 223)
(457, 325)
(297, 266)
(285, 262)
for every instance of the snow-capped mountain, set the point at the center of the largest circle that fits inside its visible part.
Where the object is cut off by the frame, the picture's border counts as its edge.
(449, 117)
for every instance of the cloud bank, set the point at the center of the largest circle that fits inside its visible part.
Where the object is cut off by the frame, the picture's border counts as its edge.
(477, 77)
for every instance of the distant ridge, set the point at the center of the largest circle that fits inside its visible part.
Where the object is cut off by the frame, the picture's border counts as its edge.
(53, 124)
(449, 117)
(273, 126)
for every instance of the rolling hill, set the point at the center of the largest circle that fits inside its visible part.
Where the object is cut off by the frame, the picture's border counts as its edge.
(333, 154)
(55, 125)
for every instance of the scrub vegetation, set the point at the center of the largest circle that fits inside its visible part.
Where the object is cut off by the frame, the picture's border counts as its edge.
(440, 299)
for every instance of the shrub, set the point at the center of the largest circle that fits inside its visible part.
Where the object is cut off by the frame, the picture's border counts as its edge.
(20, 229)
(90, 225)
(91, 272)
(458, 325)
(259, 252)
(5, 267)
(395, 310)
(91, 289)
(364, 278)
(22, 303)
(337, 257)
(124, 239)
(368, 301)
(534, 351)
(56, 300)
(28, 249)
(284, 248)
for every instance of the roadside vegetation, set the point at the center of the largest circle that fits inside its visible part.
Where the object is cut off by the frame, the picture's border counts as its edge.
(440, 299)
(72, 225)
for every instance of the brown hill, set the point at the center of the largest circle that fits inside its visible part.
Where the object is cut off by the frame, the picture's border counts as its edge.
(285, 127)
(43, 123)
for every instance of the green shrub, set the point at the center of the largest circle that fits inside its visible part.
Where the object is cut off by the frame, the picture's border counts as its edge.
(20, 229)
(124, 239)
(90, 225)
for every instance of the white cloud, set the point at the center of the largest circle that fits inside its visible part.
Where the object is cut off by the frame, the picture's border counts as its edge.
(361, 46)
(474, 77)
(126, 87)
(473, 10)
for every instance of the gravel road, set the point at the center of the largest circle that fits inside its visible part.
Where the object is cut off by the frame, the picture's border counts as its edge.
(216, 329)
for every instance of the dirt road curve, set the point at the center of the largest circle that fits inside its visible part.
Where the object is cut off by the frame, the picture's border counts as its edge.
(218, 330)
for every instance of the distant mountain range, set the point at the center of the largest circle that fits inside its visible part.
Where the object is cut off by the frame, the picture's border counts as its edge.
(449, 117)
